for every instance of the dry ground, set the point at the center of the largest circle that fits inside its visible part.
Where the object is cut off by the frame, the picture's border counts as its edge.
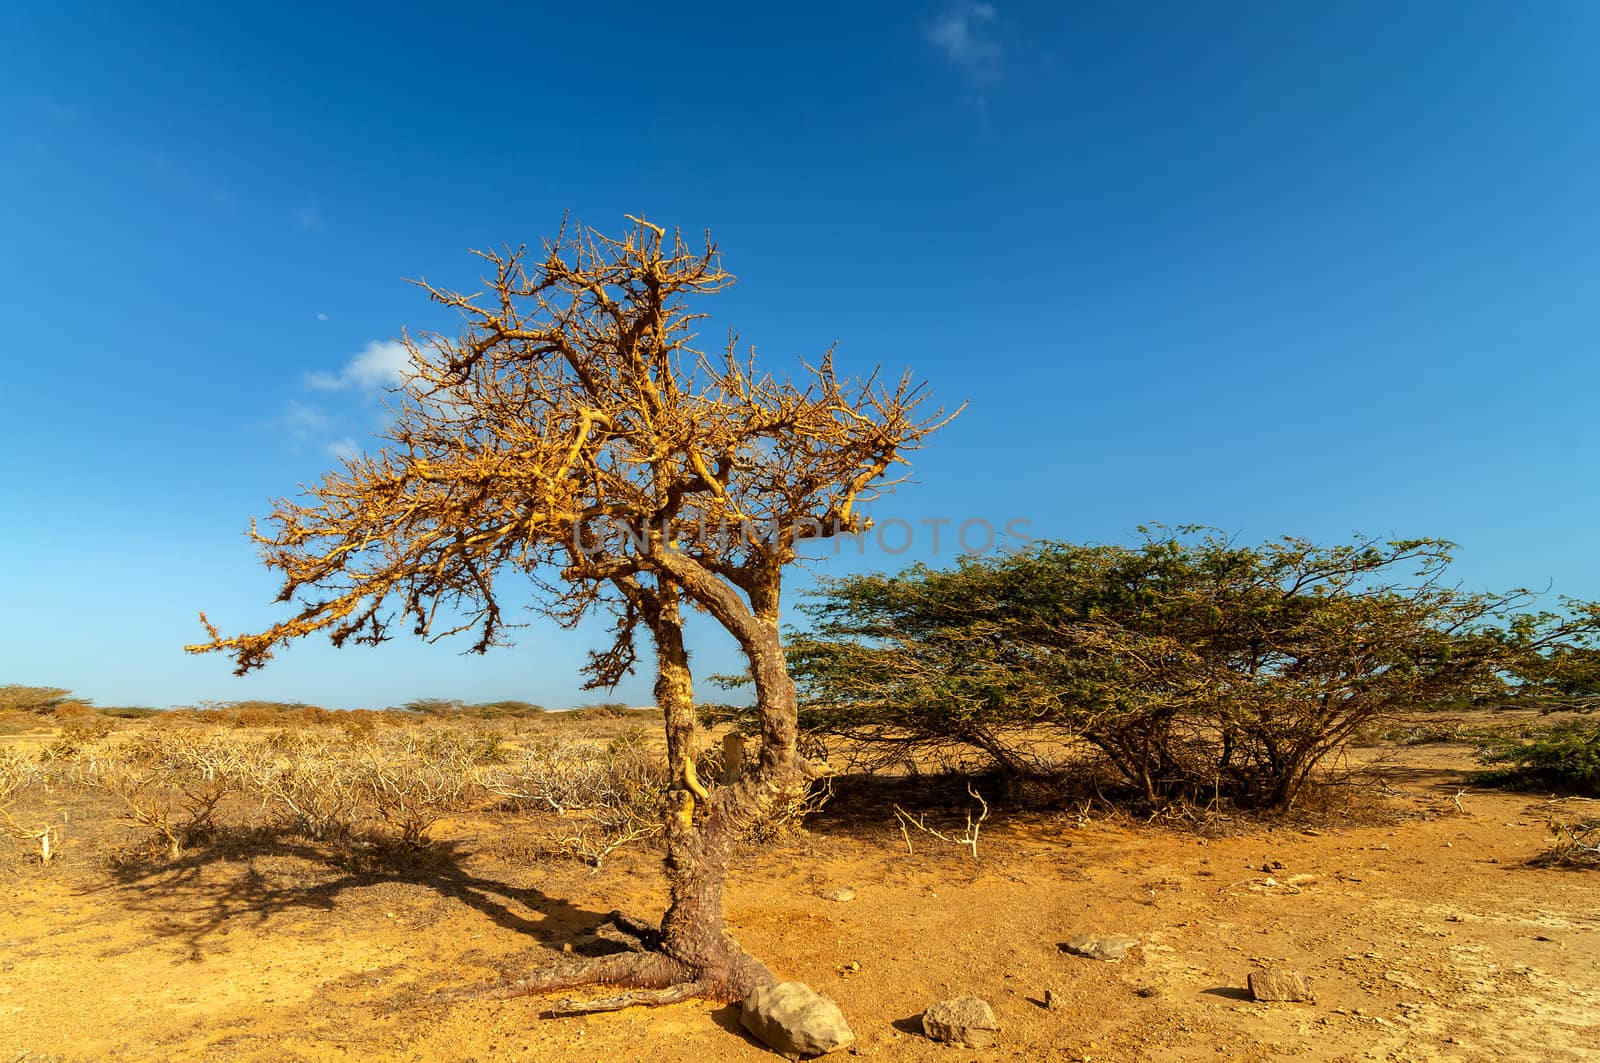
(1423, 930)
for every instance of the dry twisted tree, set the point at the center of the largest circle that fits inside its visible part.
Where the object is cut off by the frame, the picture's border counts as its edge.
(573, 436)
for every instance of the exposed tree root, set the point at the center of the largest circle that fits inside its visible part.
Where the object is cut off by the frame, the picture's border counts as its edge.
(649, 975)
(648, 997)
(631, 970)
(633, 934)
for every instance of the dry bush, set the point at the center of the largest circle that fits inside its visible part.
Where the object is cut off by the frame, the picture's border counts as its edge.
(328, 785)
(18, 772)
(312, 781)
(415, 778)
(171, 782)
(325, 783)
(1576, 844)
(80, 733)
(605, 797)
(968, 839)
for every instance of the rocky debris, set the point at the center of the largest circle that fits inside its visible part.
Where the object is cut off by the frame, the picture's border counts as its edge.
(962, 1021)
(1053, 1000)
(1280, 985)
(843, 894)
(794, 1020)
(1110, 949)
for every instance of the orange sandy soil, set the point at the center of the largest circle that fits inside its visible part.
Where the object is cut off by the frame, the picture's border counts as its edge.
(1424, 932)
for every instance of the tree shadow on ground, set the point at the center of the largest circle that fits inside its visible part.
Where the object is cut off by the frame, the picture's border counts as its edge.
(208, 889)
(867, 801)
(1419, 776)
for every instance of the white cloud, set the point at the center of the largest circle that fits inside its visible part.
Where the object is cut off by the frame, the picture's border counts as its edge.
(343, 448)
(962, 34)
(322, 317)
(304, 422)
(381, 364)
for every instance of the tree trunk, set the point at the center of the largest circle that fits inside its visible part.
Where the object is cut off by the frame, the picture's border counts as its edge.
(700, 838)
(702, 828)
(692, 954)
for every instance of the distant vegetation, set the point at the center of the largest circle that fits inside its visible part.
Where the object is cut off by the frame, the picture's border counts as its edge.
(1564, 758)
(36, 701)
(25, 704)
(488, 710)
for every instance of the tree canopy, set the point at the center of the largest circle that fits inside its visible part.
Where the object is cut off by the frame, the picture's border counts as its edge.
(1195, 664)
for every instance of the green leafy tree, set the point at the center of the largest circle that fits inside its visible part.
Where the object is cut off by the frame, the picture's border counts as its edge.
(1198, 666)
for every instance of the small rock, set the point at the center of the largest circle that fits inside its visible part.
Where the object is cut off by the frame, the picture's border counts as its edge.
(1054, 1000)
(843, 894)
(1280, 985)
(1111, 949)
(963, 1021)
(795, 1020)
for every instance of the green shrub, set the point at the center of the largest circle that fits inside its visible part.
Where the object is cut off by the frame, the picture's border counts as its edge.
(1565, 758)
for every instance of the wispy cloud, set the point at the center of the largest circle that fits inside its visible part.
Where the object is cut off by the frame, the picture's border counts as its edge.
(303, 422)
(308, 219)
(381, 364)
(963, 34)
(342, 448)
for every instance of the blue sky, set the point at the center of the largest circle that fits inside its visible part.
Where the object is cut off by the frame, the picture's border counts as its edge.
(1276, 267)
